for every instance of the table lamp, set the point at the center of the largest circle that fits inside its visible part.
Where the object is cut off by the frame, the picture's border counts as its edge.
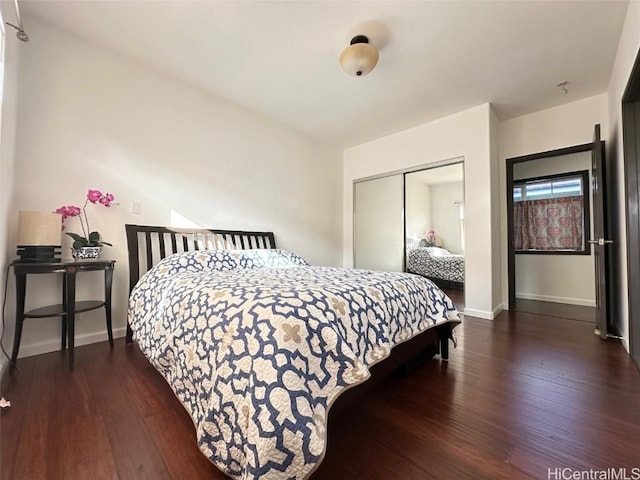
(39, 238)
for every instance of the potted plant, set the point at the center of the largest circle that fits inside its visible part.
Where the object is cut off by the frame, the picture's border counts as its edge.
(89, 244)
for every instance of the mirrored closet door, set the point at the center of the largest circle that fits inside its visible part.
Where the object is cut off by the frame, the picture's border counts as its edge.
(413, 221)
(434, 218)
(378, 224)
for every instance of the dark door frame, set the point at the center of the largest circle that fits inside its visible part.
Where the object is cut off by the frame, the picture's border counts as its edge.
(510, 162)
(631, 153)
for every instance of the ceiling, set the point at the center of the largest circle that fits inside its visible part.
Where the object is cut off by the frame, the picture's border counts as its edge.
(280, 58)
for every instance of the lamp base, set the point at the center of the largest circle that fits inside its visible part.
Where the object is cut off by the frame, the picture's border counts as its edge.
(39, 253)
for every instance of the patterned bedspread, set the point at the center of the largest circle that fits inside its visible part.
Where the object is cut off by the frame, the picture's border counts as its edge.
(436, 262)
(257, 345)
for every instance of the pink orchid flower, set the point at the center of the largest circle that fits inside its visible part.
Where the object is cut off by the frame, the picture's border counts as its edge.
(74, 211)
(107, 199)
(94, 195)
(68, 211)
(62, 211)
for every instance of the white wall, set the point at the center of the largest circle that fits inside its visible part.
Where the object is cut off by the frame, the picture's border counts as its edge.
(417, 206)
(627, 51)
(8, 99)
(556, 278)
(465, 134)
(445, 216)
(90, 118)
(551, 129)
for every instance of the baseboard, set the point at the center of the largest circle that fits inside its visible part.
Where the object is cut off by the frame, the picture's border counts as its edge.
(548, 298)
(28, 350)
(626, 345)
(472, 312)
(497, 310)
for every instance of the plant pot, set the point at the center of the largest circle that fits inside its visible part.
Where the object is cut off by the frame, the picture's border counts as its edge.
(86, 252)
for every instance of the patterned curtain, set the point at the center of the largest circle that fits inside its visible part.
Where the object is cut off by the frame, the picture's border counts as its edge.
(549, 224)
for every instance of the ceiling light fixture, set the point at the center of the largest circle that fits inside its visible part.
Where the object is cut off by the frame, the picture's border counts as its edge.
(360, 57)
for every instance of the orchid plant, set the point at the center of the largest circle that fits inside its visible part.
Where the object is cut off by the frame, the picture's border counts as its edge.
(90, 238)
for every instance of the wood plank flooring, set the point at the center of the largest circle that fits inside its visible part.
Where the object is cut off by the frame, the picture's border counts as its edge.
(553, 309)
(520, 395)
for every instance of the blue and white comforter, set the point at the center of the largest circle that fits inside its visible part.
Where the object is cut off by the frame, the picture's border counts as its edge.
(257, 345)
(436, 262)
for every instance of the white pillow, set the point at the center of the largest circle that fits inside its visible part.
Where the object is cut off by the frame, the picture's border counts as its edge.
(437, 251)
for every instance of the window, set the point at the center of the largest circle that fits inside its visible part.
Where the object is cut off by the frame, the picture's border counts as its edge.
(536, 189)
(551, 214)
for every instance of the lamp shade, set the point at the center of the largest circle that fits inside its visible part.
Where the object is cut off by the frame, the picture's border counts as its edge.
(359, 58)
(39, 228)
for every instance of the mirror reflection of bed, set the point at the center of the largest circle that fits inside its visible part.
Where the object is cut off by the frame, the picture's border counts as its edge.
(434, 214)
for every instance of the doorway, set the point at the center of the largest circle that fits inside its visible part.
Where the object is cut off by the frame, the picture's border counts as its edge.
(550, 264)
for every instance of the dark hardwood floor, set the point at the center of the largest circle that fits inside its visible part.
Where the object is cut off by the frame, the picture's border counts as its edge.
(457, 296)
(553, 309)
(520, 395)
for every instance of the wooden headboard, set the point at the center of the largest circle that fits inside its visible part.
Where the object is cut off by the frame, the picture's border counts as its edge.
(148, 245)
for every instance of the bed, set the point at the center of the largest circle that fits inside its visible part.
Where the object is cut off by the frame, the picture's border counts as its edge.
(446, 269)
(258, 345)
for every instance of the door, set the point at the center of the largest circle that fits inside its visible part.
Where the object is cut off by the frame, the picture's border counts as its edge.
(379, 224)
(631, 142)
(434, 213)
(600, 242)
